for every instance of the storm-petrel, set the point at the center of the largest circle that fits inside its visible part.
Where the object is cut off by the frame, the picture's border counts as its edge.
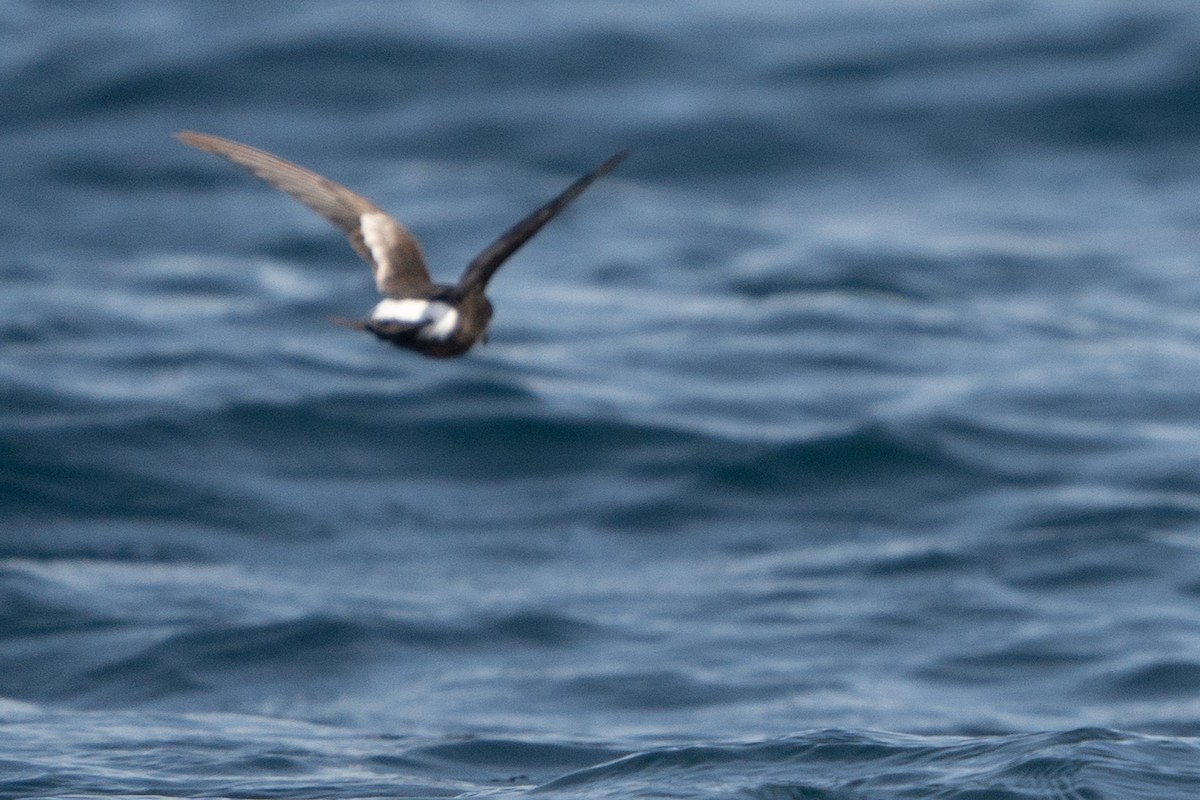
(434, 319)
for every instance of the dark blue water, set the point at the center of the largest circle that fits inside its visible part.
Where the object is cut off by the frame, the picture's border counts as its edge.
(844, 443)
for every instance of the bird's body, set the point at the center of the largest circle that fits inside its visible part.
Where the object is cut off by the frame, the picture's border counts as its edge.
(434, 319)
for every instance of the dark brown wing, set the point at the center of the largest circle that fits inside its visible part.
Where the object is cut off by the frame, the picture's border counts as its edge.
(484, 265)
(393, 253)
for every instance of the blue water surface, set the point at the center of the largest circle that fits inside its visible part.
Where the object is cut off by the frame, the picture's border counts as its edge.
(844, 443)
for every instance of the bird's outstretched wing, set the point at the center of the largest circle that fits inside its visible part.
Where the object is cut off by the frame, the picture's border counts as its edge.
(484, 265)
(393, 253)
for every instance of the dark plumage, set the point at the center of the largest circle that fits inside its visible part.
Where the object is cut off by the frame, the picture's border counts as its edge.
(435, 319)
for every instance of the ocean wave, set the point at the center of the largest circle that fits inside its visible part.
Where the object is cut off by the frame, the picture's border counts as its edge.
(220, 467)
(39, 485)
(306, 652)
(835, 764)
(231, 755)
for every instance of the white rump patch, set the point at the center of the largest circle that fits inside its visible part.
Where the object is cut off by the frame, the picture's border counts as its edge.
(445, 320)
(411, 310)
(442, 318)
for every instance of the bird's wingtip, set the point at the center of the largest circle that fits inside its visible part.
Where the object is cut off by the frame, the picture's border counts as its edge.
(193, 138)
(614, 160)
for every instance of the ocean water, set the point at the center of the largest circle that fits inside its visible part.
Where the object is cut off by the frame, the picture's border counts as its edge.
(843, 443)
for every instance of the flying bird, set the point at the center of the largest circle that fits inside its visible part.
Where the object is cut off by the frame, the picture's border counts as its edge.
(435, 319)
